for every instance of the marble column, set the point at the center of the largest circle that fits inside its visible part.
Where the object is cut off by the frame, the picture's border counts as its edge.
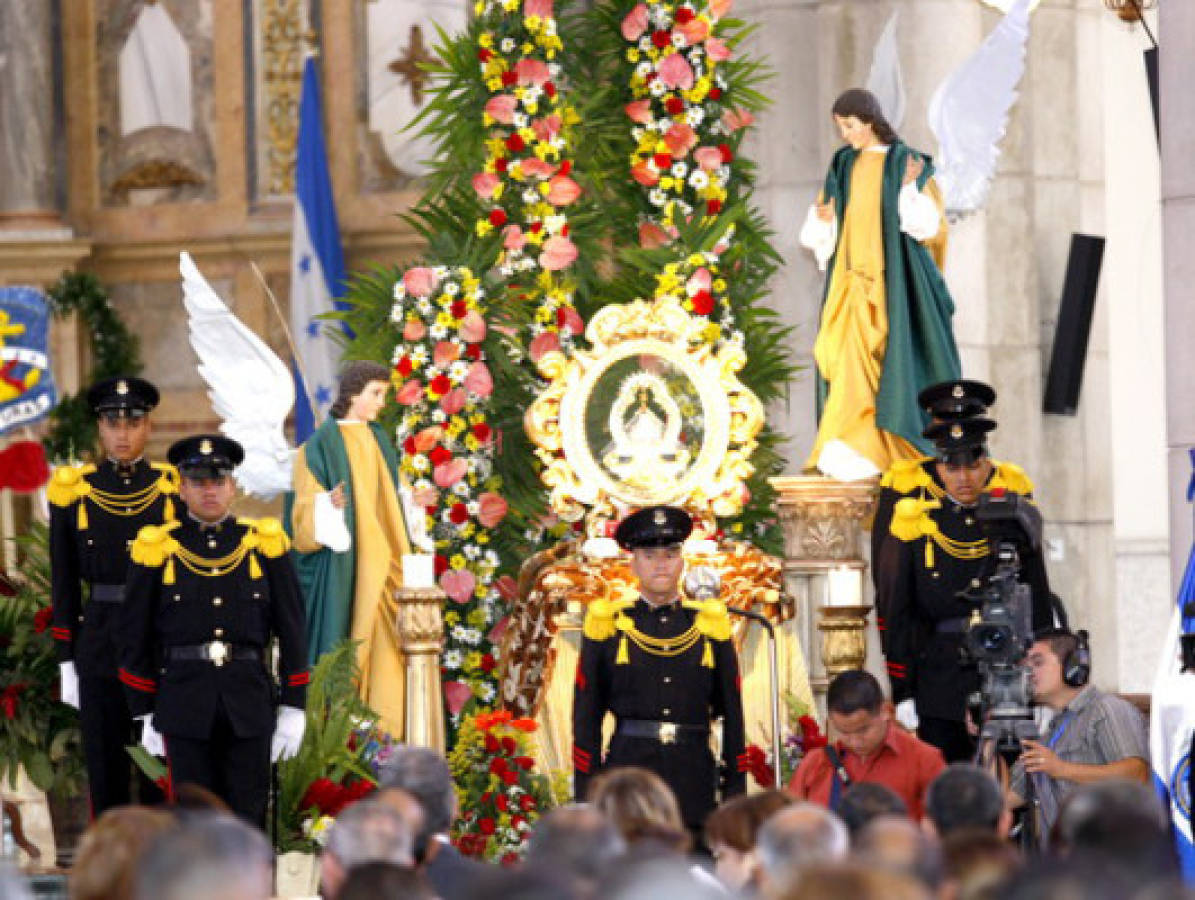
(27, 114)
(1177, 35)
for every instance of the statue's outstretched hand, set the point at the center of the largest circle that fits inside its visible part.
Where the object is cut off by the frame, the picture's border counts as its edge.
(914, 166)
(825, 211)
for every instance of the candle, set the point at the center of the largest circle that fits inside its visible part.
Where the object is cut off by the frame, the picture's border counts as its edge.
(843, 587)
(418, 570)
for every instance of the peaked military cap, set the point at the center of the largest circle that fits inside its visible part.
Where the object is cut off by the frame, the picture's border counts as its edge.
(123, 394)
(654, 526)
(961, 442)
(205, 455)
(959, 399)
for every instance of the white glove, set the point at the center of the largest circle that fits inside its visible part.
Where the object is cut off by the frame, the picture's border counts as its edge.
(906, 714)
(151, 739)
(68, 684)
(288, 733)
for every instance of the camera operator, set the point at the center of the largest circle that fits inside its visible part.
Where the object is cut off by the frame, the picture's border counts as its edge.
(1092, 737)
(936, 548)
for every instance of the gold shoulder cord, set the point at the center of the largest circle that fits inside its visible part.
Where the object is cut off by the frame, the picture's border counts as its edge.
(155, 547)
(70, 484)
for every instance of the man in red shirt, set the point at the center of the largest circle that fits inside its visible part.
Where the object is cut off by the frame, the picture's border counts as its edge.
(870, 747)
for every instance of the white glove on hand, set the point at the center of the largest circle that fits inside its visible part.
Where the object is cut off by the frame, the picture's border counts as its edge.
(288, 733)
(68, 684)
(906, 714)
(151, 740)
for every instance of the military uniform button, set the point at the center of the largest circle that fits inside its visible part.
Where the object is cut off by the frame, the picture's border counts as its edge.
(218, 602)
(666, 712)
(975, 582)
(970, 521)
(218, 632)
(667, 679)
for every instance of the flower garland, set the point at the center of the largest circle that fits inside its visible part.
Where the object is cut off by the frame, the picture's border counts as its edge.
(526, 181)
(443, 385)
(682, 130)
(500, 796)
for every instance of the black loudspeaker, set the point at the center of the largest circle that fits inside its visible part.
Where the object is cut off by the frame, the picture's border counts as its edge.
(1065, 377)
(1076, 668)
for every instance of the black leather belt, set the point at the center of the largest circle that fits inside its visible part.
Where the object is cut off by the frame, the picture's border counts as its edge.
(952, 626)
(664, 732)
(107, 593)
(215, 652)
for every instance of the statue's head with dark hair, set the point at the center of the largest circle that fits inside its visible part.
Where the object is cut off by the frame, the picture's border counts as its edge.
(865, 107)
(353, 379)
(853, 691)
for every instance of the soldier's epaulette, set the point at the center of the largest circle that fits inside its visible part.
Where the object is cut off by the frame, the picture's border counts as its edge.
(906, 475)
(601, 617)
(69, 483)
(713, 621)
(168, 477)
(1011, 477)
(154, 545)
(911, 519)
(264, 535)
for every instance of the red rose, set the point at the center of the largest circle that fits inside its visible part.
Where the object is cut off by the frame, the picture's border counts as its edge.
(359, 789)
(703, 303)
(498, 765)
(42, 618)
(713, 207)
(535, 228)
(715, 94)
(440, 384)
(491, 744)
(509, 746)
(674, 105)
(727, 153)
(405, 366)
(459, 308)
(524, 762)
(459, 514)
(500, 164)
(482, 431)
(502, 803)
(661, 38)
(517, 820)
(484, 55)
(473, 351)
(488, 663)
(408, 446)
(8, 699)
(510, 859)
(566, 167)
(322, 794)
(509, 77)
(497, 219)
(549, 89)
(510, 778)
(527, 803)
(662, 160)
(485, 825)
(440, 562)
(516, 144)
(684, 15)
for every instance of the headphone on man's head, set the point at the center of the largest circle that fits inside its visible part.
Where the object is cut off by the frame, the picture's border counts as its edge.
(1076, 668)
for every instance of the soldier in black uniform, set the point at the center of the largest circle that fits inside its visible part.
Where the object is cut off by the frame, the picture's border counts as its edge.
(935, 549)
(205, 598)
(947, 401)
(665, 668)
(95, 512)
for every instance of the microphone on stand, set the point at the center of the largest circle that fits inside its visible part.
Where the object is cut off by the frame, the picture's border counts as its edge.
(704, 583)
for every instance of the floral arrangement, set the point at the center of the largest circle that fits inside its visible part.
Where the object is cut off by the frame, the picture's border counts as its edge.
(501, 797)
(804, 735)
(339, 759)
(37, 731)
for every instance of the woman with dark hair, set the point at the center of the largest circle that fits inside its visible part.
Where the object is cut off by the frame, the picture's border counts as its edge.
(346, 476)
(730, 833)
(878, 228)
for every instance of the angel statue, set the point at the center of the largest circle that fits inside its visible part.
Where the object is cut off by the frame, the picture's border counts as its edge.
(343, 496)
(878, 227)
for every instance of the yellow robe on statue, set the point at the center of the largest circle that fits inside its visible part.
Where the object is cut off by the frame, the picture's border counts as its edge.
(850, 345)
(381, 541)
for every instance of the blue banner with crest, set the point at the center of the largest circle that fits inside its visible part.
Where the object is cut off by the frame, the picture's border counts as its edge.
(27, 391)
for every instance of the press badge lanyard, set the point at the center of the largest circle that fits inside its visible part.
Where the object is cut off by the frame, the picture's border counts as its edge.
(1064, 722)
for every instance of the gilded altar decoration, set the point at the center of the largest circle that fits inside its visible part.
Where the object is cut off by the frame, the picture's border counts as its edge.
(281, 47)
(650, 414)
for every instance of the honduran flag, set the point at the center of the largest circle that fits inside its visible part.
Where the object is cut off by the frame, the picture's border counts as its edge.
(317, 265)
(1172, 719)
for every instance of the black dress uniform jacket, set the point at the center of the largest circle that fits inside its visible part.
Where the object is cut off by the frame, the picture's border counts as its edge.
(229, 605)
(98, 555)
(917, 592)
(673, 689)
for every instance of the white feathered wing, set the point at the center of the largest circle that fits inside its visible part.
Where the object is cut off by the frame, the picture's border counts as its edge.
(886, 79)
(251, 389)
(969, 112)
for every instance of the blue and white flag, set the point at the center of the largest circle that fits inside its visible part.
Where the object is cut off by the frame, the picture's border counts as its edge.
(317, 272)
(26, 383)
(1172, 721)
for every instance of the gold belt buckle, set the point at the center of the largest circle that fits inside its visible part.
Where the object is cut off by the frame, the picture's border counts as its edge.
(667, 733)
(217, 652)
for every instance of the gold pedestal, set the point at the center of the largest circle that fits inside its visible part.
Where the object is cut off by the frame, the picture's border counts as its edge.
(420, 628)
(844, 638)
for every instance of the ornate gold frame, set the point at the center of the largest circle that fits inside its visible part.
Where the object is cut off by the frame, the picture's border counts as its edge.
(713, 485)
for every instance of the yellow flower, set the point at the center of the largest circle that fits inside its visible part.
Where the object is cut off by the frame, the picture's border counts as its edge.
(483, 227)
(457, 561)
(486, 39)
(452, 618)
(633, 55)
(472, 661)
